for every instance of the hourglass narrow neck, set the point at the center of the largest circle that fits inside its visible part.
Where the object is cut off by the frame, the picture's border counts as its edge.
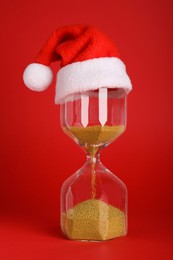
(93, 156)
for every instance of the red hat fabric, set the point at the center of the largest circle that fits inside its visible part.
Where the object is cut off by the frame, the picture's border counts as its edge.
(89, 60)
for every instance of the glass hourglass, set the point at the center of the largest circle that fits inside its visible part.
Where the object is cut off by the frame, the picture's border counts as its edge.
(94, 200)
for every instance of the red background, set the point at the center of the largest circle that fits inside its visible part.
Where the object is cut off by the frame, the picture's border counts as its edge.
(36, 156)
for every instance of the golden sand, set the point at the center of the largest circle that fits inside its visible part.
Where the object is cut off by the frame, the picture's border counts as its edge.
(94, 135)
(94, 220)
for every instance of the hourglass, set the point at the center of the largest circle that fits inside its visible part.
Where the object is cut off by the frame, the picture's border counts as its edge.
(94, 200)
(91, 88)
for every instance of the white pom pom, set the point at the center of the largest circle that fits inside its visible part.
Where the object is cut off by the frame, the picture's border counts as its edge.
(37, 76)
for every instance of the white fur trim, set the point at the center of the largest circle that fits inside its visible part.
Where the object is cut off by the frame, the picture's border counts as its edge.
(91, 75)
(37, 76)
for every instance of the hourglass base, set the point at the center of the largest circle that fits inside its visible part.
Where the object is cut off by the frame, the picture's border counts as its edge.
(96, 240)
(93, 205)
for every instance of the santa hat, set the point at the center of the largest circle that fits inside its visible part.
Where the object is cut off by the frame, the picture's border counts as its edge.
(89, 60)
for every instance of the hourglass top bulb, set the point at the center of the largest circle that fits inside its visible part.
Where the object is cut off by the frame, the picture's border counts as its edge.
(96, 123)
(89, 60)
